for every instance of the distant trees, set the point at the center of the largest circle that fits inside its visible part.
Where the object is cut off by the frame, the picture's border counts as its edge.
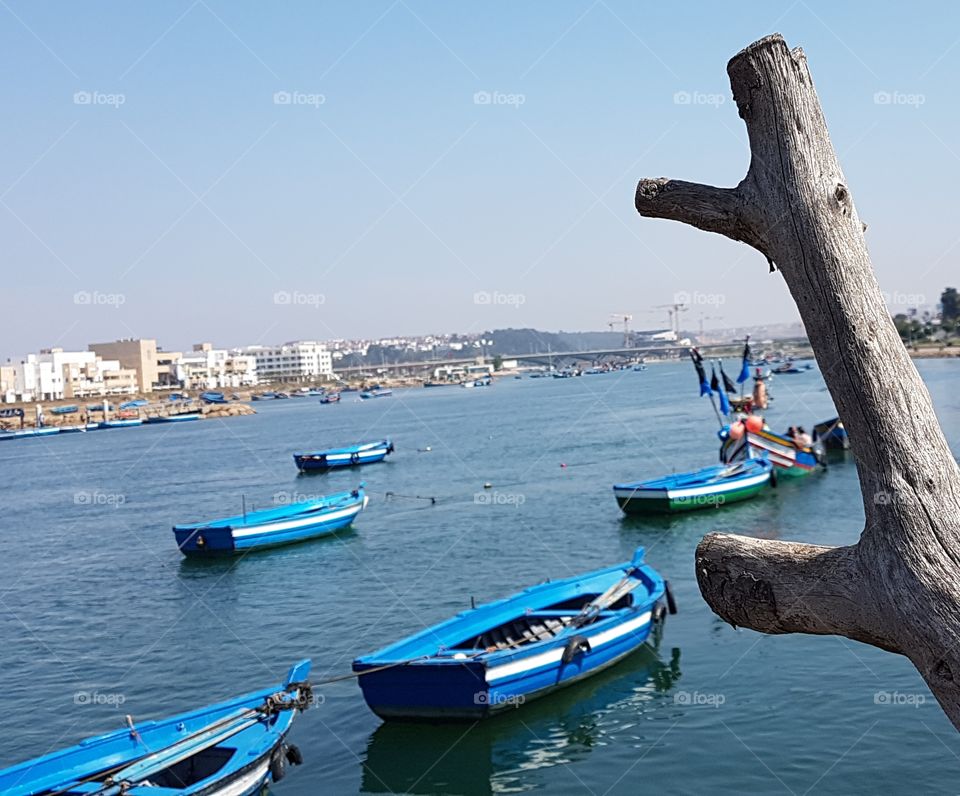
(950, 306)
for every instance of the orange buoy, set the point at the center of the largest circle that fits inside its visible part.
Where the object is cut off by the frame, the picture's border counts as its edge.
(754, 423)
(736, 430)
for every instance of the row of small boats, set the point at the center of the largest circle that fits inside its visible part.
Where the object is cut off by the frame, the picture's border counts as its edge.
(118, 422)
(481, 662)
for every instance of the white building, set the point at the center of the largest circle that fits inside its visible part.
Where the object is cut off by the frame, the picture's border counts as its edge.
(296, 361)
(54, 374)
(210, 368)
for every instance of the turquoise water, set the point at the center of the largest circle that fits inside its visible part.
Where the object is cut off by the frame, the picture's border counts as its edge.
(97, 601)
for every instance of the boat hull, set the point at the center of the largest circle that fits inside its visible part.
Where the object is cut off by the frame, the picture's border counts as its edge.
(663, 502)
(790, 460)
(467, 692)
(712, 487)
(218, 540)
(333, 459)
(498, 656)
(184, 418)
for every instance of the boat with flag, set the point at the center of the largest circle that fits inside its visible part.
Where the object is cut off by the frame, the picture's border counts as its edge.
(349, 456)
(497, 656)
(231, 748)
(256, 530)
(752, 438)
(710, 487)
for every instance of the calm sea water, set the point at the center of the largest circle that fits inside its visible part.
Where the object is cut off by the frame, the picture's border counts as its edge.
(100, 616)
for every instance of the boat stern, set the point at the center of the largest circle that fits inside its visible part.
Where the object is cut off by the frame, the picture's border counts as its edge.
(194, 541)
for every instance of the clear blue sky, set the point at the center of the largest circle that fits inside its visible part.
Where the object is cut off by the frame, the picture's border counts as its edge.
(398, 198)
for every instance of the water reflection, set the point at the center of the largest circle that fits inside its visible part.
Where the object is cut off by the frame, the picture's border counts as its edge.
(495, 756)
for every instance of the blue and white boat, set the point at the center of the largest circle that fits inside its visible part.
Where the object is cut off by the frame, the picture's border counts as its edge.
(79, 429)
(233, 748)
(505, 653)
(134, 404)
(255, 530)
(376, 393)
(183, 417)
(711, 487)
(64, 410)
(213, 397)
(350, 456)
(121, 422)
(24, 433)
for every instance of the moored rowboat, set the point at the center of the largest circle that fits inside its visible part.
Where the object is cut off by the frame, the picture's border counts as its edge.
(234, 748)
(711, 487)
(502, 654)
(781, 451)
(363, 453)
(271, 527)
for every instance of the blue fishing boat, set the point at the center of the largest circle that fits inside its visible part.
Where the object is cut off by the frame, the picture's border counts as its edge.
(64, 410)
(183, 417)
(271, 527)
(350, 456)
(330, 398)
(263, 396)
(377, 393)
(711, 487)
(25, 433)
(832, 434)
(508, 652)
(135, 404)
(121, 422)
(233, 748)
(787, 456)
(213, 397)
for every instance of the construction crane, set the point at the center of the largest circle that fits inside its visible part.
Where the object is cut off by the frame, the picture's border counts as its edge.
(624, 318)
(673, 315)
(708, 318)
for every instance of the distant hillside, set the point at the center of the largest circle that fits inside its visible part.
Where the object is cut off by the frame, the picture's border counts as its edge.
(529, 341)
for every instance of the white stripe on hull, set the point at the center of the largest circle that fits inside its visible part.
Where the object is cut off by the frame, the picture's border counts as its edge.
(247, 782)
(662, 493)
(554, 655)
(299, 522)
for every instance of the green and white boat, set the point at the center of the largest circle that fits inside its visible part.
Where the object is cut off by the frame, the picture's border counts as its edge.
(711, 487)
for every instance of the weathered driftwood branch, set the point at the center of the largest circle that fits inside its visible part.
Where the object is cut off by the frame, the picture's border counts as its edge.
(898, 588)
